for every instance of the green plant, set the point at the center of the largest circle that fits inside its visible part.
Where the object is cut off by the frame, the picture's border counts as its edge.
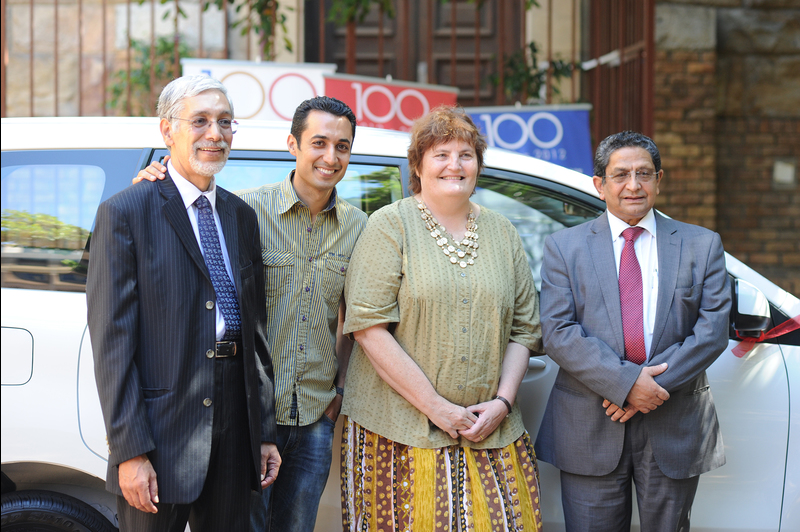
(268, 19)
(523, 78)
(40, 230)
(140, 89)
(344, 11)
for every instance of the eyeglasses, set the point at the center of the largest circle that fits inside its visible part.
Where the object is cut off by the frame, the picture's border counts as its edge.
(201, 123)
(641, 177)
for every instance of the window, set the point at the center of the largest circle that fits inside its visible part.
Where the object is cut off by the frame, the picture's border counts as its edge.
(49, 201)
(366, 186)
(47, 216)
(535, 212)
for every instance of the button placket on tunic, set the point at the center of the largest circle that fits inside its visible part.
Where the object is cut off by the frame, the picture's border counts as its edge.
(463, 335)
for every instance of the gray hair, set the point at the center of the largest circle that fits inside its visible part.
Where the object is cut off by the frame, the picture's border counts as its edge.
(621, 140)
(171, 102)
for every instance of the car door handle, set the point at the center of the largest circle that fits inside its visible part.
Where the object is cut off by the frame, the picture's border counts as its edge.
(536, 363)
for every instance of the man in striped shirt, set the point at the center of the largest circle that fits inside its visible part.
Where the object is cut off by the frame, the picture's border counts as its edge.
(307, 236)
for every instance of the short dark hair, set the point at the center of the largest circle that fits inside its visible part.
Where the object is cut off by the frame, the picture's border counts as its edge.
(440, 126)
(326, 104)
(624, 139)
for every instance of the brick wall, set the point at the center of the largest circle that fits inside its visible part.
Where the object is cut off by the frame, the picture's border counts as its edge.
(759, 220)
(685, 127)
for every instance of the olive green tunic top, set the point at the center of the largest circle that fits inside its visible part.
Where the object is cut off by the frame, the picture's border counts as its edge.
(454, 322)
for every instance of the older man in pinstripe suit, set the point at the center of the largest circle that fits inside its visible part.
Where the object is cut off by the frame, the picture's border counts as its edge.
(177, 323)
(308, 233)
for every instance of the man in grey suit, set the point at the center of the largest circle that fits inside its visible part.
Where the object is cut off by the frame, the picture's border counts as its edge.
(634, 308)
(176, 316)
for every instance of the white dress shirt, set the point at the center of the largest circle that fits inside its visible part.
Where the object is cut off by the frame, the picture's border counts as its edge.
(189, 193)
(647, 255)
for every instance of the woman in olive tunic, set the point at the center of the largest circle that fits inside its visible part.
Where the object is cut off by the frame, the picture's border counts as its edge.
(441, 300)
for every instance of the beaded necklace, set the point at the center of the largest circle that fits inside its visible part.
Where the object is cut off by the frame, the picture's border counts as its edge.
(462, 253)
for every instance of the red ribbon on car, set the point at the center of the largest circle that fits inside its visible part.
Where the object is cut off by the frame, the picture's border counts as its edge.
(748, 343)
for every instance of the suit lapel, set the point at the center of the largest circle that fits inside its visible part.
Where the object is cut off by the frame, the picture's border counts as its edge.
(668, 242)
(601, 250)
(175, 211)
(231, 232)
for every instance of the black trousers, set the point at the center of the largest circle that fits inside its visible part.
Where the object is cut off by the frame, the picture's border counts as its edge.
(224, 503)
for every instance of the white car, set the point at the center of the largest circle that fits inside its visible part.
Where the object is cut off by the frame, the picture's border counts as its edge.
(55, 172)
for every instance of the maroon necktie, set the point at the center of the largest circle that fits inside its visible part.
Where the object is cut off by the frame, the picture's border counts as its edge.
(631, 299)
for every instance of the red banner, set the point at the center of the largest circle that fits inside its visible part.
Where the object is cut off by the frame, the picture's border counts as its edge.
(747, 344)
(387, 104)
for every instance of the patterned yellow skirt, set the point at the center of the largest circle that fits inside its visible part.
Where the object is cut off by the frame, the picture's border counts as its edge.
(388, 486)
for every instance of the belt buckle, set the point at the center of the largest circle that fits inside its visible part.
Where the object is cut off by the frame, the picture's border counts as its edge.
(226, 349)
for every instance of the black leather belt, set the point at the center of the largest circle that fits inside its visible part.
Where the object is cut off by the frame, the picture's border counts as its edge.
(227, 349)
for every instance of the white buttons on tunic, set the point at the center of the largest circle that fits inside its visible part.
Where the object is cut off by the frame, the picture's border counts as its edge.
(210, 353)
(209, 305)
(207, 401)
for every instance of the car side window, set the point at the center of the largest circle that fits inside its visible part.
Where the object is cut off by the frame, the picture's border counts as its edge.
(49, 200)
(366, 186)
(47, 216)
(535, 211)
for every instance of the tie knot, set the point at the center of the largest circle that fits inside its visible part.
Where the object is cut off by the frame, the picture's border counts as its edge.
(202, 202)
(632, 233)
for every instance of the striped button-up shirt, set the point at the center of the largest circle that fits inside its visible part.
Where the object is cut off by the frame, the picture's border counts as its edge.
(305, 264)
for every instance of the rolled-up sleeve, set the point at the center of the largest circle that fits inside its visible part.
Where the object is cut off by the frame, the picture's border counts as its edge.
(375, 274)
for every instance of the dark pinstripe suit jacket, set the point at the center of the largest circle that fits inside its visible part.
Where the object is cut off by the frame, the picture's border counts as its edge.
(150, 328)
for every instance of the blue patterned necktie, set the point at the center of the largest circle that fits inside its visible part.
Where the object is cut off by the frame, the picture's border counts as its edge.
(226, 294)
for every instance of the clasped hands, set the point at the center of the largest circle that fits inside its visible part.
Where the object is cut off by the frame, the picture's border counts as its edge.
(645, 395)
(475, 422)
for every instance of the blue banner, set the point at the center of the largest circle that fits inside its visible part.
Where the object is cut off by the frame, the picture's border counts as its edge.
(555, 133)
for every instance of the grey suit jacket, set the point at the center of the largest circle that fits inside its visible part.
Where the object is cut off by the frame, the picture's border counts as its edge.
(582, 332)
(151, 327)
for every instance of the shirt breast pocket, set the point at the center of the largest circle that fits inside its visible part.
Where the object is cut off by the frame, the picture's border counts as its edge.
(278, 268)
(333, 279)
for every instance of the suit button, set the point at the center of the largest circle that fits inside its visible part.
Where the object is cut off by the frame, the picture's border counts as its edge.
(463, 329)
(460, 387)
(207, 401)
(210, 353)
(209, 305)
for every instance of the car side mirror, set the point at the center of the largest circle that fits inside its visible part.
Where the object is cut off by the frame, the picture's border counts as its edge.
(750, 316)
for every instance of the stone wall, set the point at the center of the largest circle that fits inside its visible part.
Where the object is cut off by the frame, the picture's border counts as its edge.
(758, 137)
(759, 213)
(685, 112)
(727, 120)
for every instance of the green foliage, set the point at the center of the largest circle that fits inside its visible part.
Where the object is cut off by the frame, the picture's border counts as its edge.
(523, 78)
(268, 19)
(380, 188)
(140, 76)
(344, 11)
(41, 231)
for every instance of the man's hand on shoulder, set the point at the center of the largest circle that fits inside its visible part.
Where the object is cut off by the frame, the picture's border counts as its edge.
(270, 463)
(156, 170)
(137, 478)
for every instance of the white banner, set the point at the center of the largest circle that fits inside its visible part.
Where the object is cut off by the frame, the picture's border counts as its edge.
(267, 91)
